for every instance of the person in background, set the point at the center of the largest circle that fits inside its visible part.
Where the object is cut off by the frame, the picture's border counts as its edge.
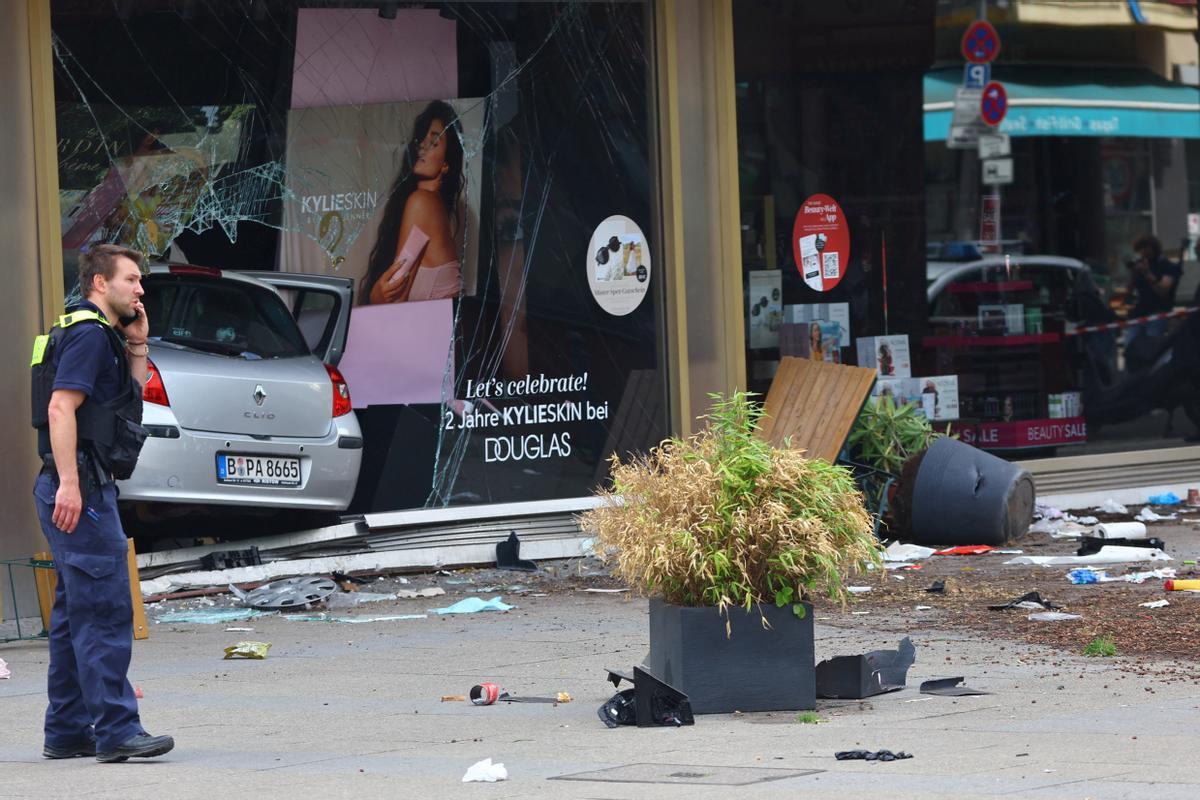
(1153, 280)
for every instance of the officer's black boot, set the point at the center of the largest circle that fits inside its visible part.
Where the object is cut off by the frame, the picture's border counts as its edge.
(142, 745)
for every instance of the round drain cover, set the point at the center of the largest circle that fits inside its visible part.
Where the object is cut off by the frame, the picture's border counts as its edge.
(291, 592)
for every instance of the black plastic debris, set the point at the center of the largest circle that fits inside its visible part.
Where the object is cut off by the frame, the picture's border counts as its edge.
(505, 697)
(1092, 544)
(876, 672)
(508, 555)
(1031, 601)
(228, 559)
(648, 704)
(948, 687)
(937, 586)
(867, 755)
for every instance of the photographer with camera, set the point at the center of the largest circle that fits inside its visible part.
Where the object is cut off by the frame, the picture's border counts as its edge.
(1153, 279)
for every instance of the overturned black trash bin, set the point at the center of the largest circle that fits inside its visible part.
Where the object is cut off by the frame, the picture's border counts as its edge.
(963, 495)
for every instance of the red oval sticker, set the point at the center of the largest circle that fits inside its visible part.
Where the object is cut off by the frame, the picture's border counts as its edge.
(821, 242)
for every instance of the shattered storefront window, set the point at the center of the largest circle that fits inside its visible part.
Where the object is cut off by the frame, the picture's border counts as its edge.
(480, 171)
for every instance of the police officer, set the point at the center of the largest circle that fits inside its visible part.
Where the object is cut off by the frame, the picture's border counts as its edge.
(97, 376)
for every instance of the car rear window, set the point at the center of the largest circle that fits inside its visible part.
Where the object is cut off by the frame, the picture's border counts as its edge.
(221, 316)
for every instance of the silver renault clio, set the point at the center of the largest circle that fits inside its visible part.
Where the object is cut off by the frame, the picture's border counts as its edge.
(243, 401)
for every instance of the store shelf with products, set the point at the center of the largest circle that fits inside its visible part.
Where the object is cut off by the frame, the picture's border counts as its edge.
(1006, 340)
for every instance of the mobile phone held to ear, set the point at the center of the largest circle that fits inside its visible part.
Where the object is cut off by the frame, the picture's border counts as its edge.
(410, 253)
(130, 319)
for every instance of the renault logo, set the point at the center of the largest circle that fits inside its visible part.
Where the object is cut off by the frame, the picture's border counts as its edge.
(260, 394)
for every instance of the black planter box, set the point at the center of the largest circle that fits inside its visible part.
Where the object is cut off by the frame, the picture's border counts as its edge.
(755, 669)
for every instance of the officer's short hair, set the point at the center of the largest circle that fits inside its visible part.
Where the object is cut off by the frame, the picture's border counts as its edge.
(101, 259)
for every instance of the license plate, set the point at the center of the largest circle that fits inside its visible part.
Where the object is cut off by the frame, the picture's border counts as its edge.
(258, 470)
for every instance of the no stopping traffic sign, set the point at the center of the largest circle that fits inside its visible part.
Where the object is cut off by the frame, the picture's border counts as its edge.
(981, 43)
(993, 104)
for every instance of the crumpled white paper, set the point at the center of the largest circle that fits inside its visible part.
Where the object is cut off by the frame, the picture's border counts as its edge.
(4, 673)
(906, 552)
(1146, 515)
(485, 772)
(1111, 506)
(1155, 604)
(1053, 616)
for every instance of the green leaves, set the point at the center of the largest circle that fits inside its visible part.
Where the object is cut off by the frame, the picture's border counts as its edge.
(800, 610)
(886, 435)
(724, 519)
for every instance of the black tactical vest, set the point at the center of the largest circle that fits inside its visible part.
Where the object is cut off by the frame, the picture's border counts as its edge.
(112, 432)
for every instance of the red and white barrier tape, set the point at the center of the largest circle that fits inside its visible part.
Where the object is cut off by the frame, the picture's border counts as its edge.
(1129, 323)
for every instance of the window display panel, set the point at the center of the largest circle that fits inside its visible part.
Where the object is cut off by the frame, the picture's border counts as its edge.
(1034, 286)
(469, 166)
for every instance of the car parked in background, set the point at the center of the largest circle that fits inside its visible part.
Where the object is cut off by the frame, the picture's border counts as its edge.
(243, 401)
(1062, 289)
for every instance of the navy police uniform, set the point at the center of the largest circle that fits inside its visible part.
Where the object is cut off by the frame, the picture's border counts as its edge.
(91, 628)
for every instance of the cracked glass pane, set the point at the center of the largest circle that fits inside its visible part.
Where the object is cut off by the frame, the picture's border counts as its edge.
(481, 172)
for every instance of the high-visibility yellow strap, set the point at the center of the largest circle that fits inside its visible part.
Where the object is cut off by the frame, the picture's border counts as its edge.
(84, 314)
(39, 349)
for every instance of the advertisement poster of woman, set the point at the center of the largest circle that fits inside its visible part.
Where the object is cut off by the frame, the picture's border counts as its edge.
(388, 195)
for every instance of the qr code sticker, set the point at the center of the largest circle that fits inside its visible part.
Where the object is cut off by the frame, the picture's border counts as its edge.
(831, 265)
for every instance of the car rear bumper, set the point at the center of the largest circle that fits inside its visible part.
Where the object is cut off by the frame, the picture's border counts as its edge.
(178, 465)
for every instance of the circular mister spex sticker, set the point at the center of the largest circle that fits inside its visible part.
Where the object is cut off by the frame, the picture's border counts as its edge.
(618, 265)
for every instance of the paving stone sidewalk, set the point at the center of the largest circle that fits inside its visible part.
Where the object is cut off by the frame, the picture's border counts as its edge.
(342, 710)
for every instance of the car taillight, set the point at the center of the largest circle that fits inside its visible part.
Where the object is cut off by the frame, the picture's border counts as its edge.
(341, 392)
(154, 391)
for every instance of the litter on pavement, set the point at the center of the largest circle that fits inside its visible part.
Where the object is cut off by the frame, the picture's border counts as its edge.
(1087, 575)
(1155, 604)
(1146, 515)
(212, 616)
(965, 550)
(902, 553)
(412, 594)
(255, 650)
(288, 593)
(1121, 530)
(351, 620)
(1030, 601)
(4, 671)
(1089, 544)
(1165, 499)
(352, 599)
(859, 676)
(485, 772)
(472, 605)
(1111, 506)
(508, 555)
(1182, 586)
(859, 589)
(648, 704)
(867, 755)
(948, 687)
(1106, 555)
(1053, 616)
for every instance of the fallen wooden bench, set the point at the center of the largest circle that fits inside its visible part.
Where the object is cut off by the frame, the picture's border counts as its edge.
(812, 405)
